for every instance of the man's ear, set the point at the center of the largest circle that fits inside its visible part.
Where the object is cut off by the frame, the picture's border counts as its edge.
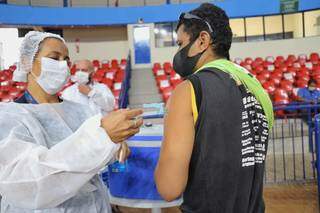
(204, 40)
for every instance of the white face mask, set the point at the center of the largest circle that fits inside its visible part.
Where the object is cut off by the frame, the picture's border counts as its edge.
(54, 75)
(312, 88)
(81, 77)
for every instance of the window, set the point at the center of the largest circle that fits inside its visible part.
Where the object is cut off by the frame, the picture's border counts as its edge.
(273, 27)
(237, 26)
(312, 23)
(164, 35)
(261, 28)
(254, 28)
(293, 24)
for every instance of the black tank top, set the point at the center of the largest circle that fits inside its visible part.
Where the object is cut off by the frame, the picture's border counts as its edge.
(228, 159)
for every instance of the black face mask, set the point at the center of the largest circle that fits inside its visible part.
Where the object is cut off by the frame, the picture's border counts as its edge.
(183, 64)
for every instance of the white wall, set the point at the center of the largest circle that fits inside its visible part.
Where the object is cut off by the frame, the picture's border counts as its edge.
(10, 46)
(276, 47)
(97, 43)
(254, 49)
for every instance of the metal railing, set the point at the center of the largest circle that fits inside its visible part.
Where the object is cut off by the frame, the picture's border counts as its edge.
(291, 153)
(125, 86)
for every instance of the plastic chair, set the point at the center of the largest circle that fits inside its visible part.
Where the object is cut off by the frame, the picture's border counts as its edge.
(269, 87)
(117, 86)
(107, 82)
(262, 79)
(291, 58)
(301, 83)
(281, 93)
(123, 61)
(157, 66)
(259, 69)
(114, 63)
(270, 59)
(280, 59)
(237, 61)
(287, 86)
(314, 58)
(248, 60)
(96, 63)
(163, 85)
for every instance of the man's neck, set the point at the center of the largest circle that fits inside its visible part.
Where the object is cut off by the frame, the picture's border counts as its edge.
(208, 58)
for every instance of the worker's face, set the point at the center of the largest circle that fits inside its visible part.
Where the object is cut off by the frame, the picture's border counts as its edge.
(51, 48)
(85, 66)
(312, 86)
(189, 56)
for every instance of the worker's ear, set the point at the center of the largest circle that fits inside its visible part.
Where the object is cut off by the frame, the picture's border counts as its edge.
(204, 40)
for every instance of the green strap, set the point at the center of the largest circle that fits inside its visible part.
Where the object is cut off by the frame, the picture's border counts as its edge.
(251, 83)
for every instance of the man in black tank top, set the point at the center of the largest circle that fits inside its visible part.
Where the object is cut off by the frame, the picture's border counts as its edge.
(216, 131)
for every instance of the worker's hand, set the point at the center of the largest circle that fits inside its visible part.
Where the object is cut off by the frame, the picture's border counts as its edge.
(121, 124)
(84, 89)
(123, 152)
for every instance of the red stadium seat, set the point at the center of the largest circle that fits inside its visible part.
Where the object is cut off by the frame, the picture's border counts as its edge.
(100, 72)
(275, 81)
(123, 61)
(164, 84)
(296, 65)
(248, 60)
(107, 82)
(281, 96)
(110, 75)
(114, 63)
(166, 93)
(259, 60)
(13, 68)
(287, 86)
(308, 65)
(302, 57)
(21, 85)
(314, 58)
(73, 69)
(301, 83)
(116, 94)
(97, 78)
(259, 69)
(288, 76)
(270, 59)
(237, 60)
(96, 63)
(265, 73)
(120, 75)
(276, 74)
(269, 87)
(160, 72)
(157, 66)
(291, 58)
(280, 59)
(105, 64)
(161, 78)
(262, 79)
(246, 65)
(117, 86)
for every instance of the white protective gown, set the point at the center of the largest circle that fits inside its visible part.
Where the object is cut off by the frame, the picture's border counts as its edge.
(100, 99)
(50, 155)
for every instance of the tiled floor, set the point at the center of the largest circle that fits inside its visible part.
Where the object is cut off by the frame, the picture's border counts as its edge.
(297, 198)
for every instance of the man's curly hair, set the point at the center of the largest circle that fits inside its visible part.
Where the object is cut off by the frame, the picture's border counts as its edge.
(219, 21)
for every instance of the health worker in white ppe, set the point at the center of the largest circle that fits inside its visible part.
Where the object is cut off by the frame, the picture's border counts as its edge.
(51, 151)
(84, 91)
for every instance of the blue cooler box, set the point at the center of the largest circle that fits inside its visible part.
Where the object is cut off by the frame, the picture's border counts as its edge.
(137, 180)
